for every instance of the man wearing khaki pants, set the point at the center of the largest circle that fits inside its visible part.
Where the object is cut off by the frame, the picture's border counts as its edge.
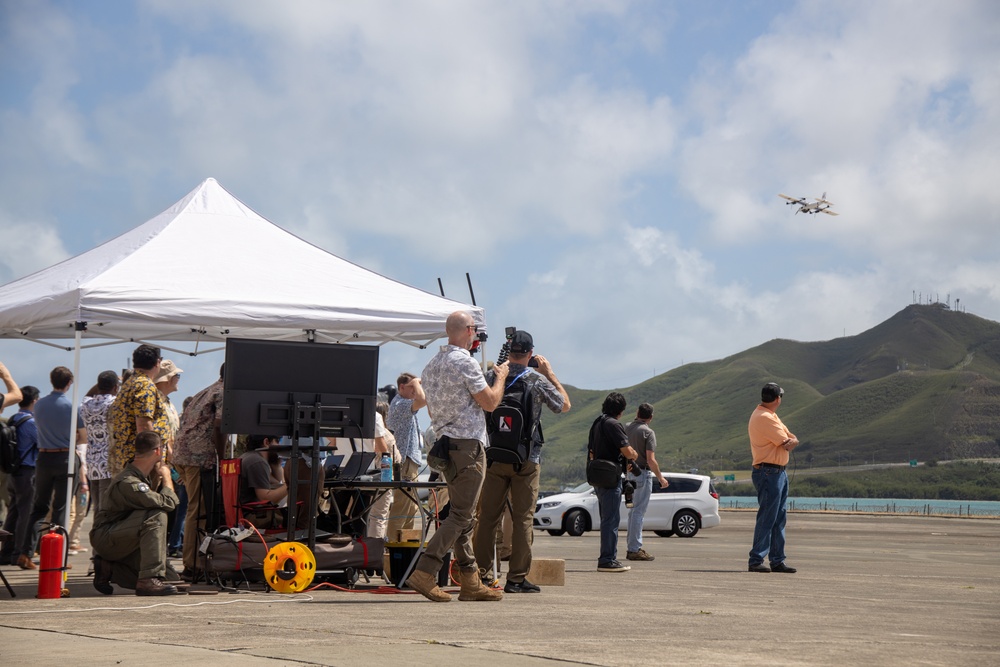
(197, 450)
(402, 421)
(457, 394)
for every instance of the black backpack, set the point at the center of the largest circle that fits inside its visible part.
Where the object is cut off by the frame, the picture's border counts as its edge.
(10, 460)
(509, 427)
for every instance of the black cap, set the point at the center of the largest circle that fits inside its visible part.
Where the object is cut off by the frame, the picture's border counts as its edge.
(771, 392)
(521, 342)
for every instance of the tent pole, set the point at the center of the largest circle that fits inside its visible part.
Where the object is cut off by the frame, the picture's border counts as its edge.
(71, 464)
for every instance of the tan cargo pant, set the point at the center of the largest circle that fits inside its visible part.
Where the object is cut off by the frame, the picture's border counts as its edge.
(465, 480)
(522, 485)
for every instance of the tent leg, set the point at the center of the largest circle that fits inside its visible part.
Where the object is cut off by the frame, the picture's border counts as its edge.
(71, 465)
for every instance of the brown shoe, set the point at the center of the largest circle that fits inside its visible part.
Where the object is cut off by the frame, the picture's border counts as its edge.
(25, 563)
(426, 585)
(473, 589)
(154, 586)
(638, 555)
(102, 575)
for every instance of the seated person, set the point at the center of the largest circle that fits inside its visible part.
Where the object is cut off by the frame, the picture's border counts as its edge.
(130, 531)
(304, 481)
(262, 485)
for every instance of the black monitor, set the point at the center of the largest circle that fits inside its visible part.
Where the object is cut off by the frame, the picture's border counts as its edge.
(265, 379)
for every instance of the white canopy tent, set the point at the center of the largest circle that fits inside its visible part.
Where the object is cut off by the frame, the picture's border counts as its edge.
(209, 268)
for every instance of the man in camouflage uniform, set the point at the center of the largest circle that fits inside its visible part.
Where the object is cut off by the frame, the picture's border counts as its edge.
(130, 532)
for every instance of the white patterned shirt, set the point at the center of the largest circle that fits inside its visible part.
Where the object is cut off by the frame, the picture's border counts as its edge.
(450, 380)
(94, 412)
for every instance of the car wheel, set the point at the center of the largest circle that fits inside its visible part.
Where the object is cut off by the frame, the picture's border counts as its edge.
(664, 533)
(556, 533)
(576, 523)
(686, 523)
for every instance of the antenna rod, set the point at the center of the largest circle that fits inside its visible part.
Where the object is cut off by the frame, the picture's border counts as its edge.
(471, 293)
(441, 287)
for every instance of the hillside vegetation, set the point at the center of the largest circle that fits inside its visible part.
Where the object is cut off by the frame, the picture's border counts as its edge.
(924, 384)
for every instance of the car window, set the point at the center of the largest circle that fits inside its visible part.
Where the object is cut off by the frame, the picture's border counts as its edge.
(679, 485)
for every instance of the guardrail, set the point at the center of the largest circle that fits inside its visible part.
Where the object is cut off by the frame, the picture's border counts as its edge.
(873, 507)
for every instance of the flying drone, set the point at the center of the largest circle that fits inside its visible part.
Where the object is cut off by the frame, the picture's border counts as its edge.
(814, 206)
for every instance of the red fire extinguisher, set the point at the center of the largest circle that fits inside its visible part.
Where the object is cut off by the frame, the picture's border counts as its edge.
(50, 570)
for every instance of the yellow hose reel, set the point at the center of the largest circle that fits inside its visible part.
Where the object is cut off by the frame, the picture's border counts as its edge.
(289, 567)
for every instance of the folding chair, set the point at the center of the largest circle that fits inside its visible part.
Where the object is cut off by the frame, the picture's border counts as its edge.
(229, 471)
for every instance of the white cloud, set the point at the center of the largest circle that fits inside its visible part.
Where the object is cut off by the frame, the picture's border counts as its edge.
(628, 221)
(410, 120)
(874, 107)
(28, 246)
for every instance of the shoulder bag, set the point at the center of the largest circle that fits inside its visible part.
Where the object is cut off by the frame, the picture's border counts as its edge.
(601, 473)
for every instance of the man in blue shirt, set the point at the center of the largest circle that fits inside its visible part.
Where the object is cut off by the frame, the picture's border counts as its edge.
(403, 423)
(20, 485)
(52, 416)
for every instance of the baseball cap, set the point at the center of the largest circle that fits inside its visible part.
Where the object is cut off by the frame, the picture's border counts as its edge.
(168, 369)
(770, 392)
(521, 342)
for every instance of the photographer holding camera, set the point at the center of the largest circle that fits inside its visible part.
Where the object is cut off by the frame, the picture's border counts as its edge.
(610, 443)
(643, 440)
(519, 479)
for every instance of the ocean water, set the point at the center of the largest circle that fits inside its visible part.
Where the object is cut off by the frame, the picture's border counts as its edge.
(988, 508)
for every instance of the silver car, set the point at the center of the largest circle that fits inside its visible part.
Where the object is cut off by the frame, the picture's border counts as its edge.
(688, 504)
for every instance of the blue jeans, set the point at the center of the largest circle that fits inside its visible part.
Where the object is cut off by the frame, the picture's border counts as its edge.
(175, 539)
(640, 501)
(609, 504)
(769, 532)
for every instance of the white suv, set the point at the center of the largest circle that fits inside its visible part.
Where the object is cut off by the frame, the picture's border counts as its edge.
(689, 503)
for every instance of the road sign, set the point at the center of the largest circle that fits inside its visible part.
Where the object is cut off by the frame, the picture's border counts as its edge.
(730, 478)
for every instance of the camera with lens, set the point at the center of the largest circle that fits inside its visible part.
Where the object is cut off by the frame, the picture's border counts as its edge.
(505, 348)
(628, 488)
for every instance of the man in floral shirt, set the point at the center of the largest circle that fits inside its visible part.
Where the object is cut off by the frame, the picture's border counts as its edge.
(196, 452)
(137, 408)
(457, 394)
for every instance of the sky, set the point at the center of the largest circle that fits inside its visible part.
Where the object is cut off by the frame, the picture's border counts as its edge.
(605, 171)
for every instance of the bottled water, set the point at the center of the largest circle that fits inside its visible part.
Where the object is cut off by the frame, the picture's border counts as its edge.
(386, 466)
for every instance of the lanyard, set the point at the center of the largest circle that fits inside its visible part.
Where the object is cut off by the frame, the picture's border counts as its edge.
(517, 378)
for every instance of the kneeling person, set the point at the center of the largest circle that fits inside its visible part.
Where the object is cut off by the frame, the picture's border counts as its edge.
(130, 532)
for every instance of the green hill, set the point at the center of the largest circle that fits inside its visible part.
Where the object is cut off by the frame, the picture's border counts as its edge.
(923, 384)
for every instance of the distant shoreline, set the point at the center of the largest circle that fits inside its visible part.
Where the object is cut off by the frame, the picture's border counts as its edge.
(865, 513)
(965, 509)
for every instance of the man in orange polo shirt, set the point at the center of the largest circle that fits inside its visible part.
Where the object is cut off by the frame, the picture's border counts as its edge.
(770, 442)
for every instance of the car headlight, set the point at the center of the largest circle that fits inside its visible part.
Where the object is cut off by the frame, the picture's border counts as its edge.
(548, 506)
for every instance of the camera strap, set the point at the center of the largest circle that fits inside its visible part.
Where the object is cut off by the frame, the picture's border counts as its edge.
(594, 431)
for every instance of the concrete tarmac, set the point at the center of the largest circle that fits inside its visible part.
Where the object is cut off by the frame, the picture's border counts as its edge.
(870, 590)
